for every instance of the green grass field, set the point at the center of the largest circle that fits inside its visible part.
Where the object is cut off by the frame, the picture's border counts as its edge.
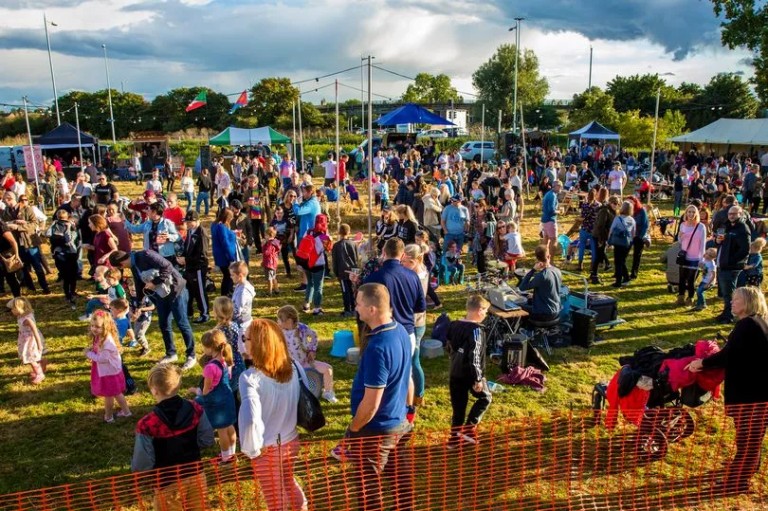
(53, 434)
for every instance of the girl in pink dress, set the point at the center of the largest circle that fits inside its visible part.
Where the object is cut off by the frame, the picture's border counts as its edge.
(107, 378)
(31, 342)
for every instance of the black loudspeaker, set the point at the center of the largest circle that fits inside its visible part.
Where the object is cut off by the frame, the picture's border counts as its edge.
(584, 323)
(514, 352)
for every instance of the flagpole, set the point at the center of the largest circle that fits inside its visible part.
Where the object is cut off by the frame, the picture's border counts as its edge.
(293, 112)
(301, 135)
(32, 149)
(79, 141)
(338, 157)
(370, 158)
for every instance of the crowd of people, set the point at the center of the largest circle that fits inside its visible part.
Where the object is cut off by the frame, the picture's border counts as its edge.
(442, 218)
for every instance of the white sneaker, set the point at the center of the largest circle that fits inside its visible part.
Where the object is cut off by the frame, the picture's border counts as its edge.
(85, 317)
(168, 359)
(189, 364)
(329, 396)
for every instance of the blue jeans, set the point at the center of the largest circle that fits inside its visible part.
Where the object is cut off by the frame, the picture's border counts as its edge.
(417, 371)
(458, 238)
(175, 307)
(190, 196)
(726, 280)
(584, 238)
(314, 291)
(286, 183)
(203, 197)
(700, 300)
(246, 254)
(678, 202)
(33, 258)
(93, 304)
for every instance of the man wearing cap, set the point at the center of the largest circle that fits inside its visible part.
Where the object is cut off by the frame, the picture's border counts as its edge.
(104, 192)
(455, 221)
(195, 263)
(549, 205)
(174, 303)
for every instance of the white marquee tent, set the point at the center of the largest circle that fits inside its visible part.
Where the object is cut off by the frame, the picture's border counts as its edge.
(741, 132)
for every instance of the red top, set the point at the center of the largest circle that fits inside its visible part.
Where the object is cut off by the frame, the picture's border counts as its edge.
(342, 171)
(8, 184)
(175, 215)
(101, 245)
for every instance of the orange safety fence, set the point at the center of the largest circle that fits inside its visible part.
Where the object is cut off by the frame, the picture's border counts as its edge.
(678, 458)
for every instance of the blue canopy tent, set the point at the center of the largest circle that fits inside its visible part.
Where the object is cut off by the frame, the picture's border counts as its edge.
(411, 114)
(594, 131)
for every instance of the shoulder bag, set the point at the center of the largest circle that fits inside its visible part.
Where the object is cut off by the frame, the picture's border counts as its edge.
(682, 256)
(620, 239)
(12, 262)
(309, 414)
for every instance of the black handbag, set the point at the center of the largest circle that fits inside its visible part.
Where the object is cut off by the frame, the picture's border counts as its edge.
(309, 414)
(682, 256)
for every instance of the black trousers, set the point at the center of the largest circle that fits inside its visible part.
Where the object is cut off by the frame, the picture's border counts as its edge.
(460, 390)
(637, 251)
(196, 287)
(347, 294)
(257, 226)
(621, 274)
(66, 264)
(597, 258)
(227, 285)
(687, 280)
(286, 250)
(11, 279)
(750, 424)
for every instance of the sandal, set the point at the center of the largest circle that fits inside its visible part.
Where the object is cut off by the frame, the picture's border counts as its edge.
(109, 420)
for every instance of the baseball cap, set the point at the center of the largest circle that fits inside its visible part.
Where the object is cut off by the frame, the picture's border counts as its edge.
(149, 193)
(191, 216)
(236, 204)
(456, 198)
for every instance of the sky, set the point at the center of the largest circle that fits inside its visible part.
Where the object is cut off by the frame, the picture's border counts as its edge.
(156, 45)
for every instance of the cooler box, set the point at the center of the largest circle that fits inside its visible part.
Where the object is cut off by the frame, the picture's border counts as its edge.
(607, 308)
(584, 323)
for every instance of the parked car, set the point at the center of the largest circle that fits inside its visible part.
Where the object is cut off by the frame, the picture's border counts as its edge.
(456, 131)
(432, 134)
(472, 150)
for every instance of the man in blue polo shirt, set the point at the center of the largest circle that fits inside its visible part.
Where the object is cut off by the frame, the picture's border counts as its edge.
(454, 220)
(379, 429)
(404, 286)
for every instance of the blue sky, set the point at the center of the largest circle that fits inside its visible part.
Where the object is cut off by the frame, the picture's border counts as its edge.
(227, 45)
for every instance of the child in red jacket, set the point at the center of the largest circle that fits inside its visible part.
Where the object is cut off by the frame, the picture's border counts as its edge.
(270, 253)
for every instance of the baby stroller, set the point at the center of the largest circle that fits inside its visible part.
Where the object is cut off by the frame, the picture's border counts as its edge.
(646, 387)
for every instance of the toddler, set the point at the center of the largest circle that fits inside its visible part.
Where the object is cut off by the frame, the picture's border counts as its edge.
(270, 254)
(172, 434)
(142, 318)
(753, 270)
(216, 394)
(354, 195)
(107, 379)
(476, 193)
(454, 264)
(242, 296)
(119, 310)
(302, 347)
(100, 298)
(30, 342)
(514, 244)
(223, 311)
(708, 277)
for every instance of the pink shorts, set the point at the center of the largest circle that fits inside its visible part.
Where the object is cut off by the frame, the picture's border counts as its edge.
(549, 229)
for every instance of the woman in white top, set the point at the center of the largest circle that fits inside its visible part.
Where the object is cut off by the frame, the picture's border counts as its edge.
(269, 392)
(188, 187)
(222, 181)
(693, 240)
(155, 184)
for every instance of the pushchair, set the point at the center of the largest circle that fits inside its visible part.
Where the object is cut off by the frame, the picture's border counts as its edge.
(652, 402)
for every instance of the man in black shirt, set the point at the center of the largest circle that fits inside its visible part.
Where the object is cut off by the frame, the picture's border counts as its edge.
(194, 258)
(467, 346)
(104, 192)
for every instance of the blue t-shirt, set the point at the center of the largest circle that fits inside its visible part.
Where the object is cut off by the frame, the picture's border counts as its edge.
(122, 324)
(405, 292)
(455, 217)
(384, 364)
(549, 207)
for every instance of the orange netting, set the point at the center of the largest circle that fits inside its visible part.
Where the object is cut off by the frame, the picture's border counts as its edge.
(676, 459)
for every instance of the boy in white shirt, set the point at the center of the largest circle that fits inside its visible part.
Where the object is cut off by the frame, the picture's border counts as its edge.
(708, 277)
(514, 243)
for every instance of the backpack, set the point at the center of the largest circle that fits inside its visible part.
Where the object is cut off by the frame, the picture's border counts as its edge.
(62, 239)
(306, 253)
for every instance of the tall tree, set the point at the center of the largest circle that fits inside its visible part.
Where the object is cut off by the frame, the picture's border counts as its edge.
(271, 98)
(638, 92)
(746, 25)
(429, 88)
(593, 104)
(726, 95)
(495, 80)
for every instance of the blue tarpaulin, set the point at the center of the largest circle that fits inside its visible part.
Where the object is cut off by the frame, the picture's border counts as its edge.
(411, 114)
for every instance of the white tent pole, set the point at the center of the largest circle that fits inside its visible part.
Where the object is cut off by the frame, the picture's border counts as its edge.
(293, 140)
(301, 134)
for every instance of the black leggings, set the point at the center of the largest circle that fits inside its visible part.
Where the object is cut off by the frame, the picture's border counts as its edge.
(688, 279)
(598, 258)
(66, 264)
(286, 250)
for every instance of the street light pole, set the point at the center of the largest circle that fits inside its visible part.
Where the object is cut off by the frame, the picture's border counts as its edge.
(370, 154)
(517, 58)
(653, 148)
(590, 68)
(109, 95)
(50, 63)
